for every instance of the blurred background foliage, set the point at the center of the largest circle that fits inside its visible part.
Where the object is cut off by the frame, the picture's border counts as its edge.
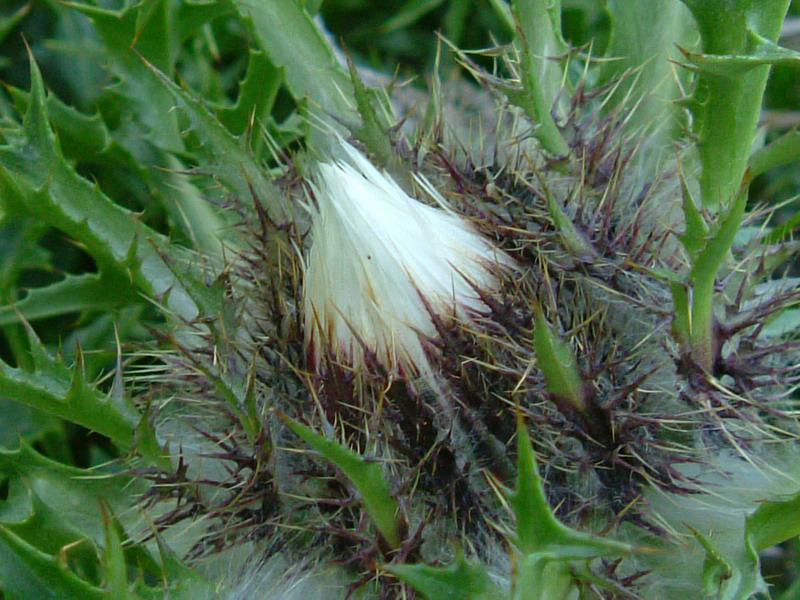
(118, 136)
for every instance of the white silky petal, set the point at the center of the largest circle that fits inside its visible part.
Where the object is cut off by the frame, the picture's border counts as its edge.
(374, 251)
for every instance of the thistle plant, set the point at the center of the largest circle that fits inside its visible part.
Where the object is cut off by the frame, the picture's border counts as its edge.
(518, 329)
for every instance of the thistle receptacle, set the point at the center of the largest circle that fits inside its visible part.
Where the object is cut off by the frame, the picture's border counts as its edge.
(344, 409)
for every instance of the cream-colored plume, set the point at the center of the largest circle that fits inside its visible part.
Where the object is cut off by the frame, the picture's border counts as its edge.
(375, 253)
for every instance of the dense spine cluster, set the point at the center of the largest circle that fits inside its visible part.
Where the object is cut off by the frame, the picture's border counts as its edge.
(584, 249)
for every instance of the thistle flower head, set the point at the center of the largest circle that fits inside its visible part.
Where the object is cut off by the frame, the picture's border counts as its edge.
(382, 263)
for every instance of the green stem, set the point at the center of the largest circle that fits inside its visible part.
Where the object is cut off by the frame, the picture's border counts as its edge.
(727, 101)
(702, 324)
(539, 34)
(682, 322)
(732, 108)
(703, 277)
(737, 49)
(537, 107)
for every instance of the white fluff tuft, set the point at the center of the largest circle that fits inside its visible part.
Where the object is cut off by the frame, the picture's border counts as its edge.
(375, 251)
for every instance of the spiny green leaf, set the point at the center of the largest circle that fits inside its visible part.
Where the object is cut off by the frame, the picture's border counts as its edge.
(155, 29)
(43, 361)
(27, 572)
(18, 421)
(118, 30)
(540, 25)
(74, 293)
(574, 241)
(43, 526)
(694, 237)
(191, 17)
(528, 96)
(538, 529)
(20, 249)
(36, 180)
(147, 446)
(43, 522)
(87, 139)
(116, 581)
(773, 522)
(227, 155)
(309, 64)
(54, 389)
(726, 577)
(147, 28)
(98, 334)
(257, 92)
(208, 296)
(122, 156)
(373, 131)
(460, 580)
(719, 243)
(723, 24)
(366, 476)
(557, 362)
(64, 498)
(544, 542)
(703, 276)
(88, 135)
(761, 52)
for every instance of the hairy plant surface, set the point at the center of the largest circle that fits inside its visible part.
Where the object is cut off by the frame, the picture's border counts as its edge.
(522, 336)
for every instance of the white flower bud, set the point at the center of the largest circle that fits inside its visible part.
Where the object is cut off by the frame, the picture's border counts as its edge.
(375, 253)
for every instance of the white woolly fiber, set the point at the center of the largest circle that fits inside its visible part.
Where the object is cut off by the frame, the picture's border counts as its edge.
(374, 252)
